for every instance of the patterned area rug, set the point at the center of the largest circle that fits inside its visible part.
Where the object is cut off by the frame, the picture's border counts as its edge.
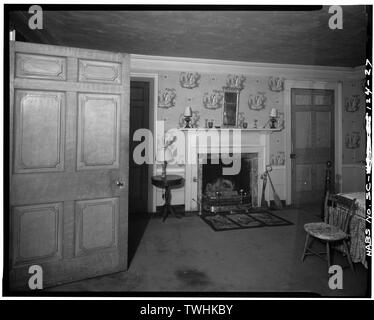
(230, 221)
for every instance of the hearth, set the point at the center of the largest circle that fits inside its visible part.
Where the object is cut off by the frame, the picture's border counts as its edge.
(227, 193)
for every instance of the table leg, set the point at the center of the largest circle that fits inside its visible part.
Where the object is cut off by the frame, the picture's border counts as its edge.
(164, 212)
(167, 203)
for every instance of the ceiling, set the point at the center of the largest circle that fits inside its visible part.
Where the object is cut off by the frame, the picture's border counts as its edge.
(291, 37)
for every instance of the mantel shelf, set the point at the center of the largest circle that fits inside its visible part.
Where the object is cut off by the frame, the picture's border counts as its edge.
(264, 130)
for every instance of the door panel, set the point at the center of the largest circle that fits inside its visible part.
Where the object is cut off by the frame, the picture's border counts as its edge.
(70, 145)
(99, 71)
(323, 129)
(96, 222)
(312, 130)
(322, 99)
(303, 123)
(303, 98)
(98, 131)
(43, 224)
(40, 66)
(40, 123)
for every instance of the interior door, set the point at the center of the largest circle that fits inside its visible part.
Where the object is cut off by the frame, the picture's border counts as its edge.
(139, 118)
(69, 116)
(312, 129)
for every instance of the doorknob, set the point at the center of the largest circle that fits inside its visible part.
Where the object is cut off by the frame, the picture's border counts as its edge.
(119, 183)
(292, 155)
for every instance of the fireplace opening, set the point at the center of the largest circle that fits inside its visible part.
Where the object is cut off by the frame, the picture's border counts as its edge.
(227, 193)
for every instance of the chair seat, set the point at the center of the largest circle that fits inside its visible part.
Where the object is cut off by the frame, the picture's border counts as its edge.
(324, 231)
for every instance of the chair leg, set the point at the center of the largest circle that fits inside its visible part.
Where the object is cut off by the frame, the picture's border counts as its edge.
(348, 255)
(305, 247)
(328, 255)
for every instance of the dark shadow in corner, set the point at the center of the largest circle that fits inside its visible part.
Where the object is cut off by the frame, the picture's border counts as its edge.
(137, 226)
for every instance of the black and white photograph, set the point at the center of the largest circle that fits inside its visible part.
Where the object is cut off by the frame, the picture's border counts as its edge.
(187, 151)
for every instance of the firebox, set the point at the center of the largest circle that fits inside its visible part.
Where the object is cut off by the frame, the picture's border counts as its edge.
(220, 192)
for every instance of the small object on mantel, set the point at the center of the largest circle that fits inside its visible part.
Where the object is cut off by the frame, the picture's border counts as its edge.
(266, 124)
(273, 113)
(273, 118)
(187, 116)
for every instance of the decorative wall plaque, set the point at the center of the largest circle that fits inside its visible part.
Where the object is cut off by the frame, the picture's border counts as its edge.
(277, 159)
(276, 84)
(166, 98)
(352, 104)
(257, 102)
(213, 100)
(235, 81)
(189, 80)
(352, 140)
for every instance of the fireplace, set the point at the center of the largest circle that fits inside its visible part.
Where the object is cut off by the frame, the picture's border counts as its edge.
(253, 148)
(219, 192)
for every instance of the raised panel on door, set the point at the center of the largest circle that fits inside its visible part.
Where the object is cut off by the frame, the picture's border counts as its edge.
(40, 131)
(70, 147)
(96, 225)
(37, 233)
(323, 99)
(98, 131)
(324, 132)
(303, 98)
(40, 66)
(99, 71)
(303, 124)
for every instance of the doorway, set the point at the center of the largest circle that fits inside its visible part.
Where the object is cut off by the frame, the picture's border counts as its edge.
(138, 174)
(312, 143)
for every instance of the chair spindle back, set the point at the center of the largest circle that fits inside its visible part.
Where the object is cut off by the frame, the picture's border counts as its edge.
(345, 206)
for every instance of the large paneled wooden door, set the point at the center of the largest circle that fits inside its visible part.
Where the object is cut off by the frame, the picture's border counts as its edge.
(312, 129)
(69, 113)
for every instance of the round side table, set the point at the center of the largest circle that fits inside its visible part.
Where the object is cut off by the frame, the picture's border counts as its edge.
(170, 180)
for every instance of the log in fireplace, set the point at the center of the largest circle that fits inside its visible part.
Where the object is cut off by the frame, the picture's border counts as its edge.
(227, 193)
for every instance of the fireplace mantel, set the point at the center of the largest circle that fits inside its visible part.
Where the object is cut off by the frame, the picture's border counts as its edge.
(257, 130)
(252, 141)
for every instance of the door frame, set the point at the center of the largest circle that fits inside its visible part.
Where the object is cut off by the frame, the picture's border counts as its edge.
(336, 86)
(152, 79)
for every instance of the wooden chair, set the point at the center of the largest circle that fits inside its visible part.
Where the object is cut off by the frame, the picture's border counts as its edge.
(328, 233)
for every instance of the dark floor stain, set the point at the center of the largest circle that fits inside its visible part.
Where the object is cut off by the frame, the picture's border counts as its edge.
(192, 277)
